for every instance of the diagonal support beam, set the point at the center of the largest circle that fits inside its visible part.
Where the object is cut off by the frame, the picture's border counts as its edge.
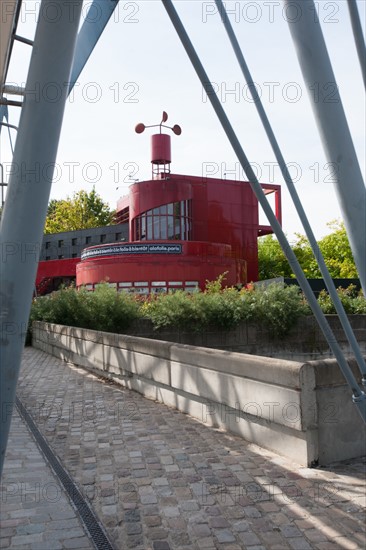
(25, 209)
(4, 115)
(358, 35)
(292, 190)
(98, 16)
(332, 124)
(358, 397)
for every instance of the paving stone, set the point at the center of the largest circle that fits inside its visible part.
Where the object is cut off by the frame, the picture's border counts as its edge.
(249, 538)
(299, 543)
(224, 536)
(152, 521)
(133, 528)
(160, 480)
(201, 530)
(161, 545)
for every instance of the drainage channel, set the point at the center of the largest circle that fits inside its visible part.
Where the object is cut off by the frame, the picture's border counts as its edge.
(87, 515)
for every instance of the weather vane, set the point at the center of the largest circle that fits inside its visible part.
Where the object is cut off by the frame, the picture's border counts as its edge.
(140, 127)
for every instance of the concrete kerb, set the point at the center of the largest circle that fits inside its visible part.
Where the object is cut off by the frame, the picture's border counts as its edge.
(281, 405)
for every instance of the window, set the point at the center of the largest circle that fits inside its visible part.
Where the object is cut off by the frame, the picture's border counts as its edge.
(191, 286)
(169, 221)
(103, 238)
(142, 290)
(87, 240)
(118, 236)
(48, 244)
(159, 290)
(74, 255)
(60, 257)
(48, 258)
(60, 243)
(74, 242)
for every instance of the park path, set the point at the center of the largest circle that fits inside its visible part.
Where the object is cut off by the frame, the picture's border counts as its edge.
(159, 480)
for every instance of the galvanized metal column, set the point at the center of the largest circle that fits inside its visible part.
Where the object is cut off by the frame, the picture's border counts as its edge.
(332, 123)
(90, 32)
(358, 34)
(359, 397)
(292, 190)
(29, 187)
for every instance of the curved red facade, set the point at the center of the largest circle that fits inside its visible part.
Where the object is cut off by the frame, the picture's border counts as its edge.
(193, 263)
(212, 222)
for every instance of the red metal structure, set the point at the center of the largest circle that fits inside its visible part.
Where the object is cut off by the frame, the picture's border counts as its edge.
(183, 230)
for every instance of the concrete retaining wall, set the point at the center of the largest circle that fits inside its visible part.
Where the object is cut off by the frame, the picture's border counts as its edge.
(301, 410)
(304, 342)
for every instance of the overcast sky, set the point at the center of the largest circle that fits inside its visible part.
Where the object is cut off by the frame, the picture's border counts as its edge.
(139, 69)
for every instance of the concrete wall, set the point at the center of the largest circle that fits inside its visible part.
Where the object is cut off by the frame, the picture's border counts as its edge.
(302, 410)
(304, 342)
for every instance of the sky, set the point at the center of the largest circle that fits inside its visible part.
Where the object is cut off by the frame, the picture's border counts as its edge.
(139, 69)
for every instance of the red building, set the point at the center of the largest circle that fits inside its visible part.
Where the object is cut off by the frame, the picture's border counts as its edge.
(183, 230)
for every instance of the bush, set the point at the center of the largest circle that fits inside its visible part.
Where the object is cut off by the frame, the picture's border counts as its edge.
(276, 307)
(353, 301)
(177, 309)
(104, 309)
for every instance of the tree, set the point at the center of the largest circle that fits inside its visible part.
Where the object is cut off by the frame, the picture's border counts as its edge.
(337, 252)
(335, 248)
(272, 261)
(82, 211)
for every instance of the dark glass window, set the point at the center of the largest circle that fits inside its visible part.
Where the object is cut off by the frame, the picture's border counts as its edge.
(74, 242)
(74, 255)
(60, 243)
(48, 258)
(118, 236)
(103, 238)
(87, 240)
(48, 244)
(169, 221)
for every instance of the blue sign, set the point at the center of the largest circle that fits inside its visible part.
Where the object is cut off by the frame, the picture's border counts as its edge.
(124, 249)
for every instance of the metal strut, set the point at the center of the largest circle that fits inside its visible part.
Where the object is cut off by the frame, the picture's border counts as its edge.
(358, 35)
(36, 145)
(292, 190)
(358, 397)
(332, 124)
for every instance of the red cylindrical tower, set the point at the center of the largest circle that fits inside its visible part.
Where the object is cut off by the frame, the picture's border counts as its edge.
(161, 155)
(161, 149)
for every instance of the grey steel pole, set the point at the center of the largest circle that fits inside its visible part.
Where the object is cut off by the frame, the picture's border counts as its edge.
(358, 35)
(358, 397)
(29, 188)
(89, 34)
(332, 123)
(292, 190)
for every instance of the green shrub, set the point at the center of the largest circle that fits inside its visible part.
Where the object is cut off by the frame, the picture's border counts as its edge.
(353, 301)
(111, 311)
(278, 307)
(178, 309)
(104, 309)
(275, 306)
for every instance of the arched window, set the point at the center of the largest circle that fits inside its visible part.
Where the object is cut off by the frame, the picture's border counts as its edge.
(167, 222)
